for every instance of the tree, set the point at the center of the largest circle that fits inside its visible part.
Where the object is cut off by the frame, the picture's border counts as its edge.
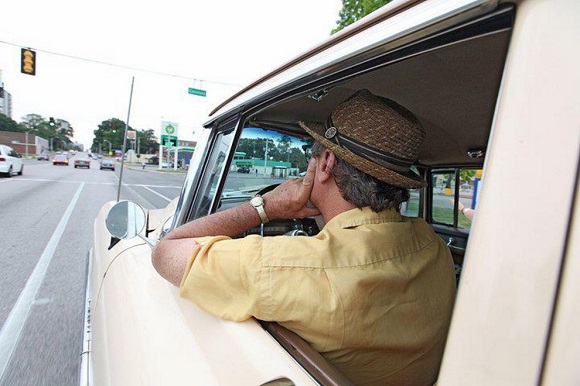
(148, 142)
(298, 159)
(109, 134)
(353, 10)
(8, 124)
(283, 147)
(60, 135)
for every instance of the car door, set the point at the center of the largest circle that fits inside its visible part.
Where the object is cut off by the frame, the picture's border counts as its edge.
(16, 161)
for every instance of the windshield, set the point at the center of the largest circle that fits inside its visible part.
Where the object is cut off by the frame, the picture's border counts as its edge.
(263, 158)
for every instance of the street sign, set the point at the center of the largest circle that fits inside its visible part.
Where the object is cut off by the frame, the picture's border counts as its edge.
(169, 140)
(196, 91)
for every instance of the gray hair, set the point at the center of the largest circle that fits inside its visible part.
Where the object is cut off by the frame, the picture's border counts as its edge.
(361, 189)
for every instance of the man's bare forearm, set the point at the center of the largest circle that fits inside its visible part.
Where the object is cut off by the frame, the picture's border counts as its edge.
(230, 222)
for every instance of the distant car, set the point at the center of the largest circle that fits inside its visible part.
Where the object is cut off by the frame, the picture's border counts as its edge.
(43, 157)
(107, 164)
(60, 159)
(82, 161)
(244, 169)
(10, 161)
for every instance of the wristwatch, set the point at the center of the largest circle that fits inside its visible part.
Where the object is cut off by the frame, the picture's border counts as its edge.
(258, 203)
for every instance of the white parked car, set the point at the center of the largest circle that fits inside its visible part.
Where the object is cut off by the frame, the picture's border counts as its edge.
(10, 161)
(497, 88)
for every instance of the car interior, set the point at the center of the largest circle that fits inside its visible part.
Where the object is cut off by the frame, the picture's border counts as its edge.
(449, 78)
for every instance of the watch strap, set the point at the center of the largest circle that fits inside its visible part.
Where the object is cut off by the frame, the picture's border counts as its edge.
(261, 211)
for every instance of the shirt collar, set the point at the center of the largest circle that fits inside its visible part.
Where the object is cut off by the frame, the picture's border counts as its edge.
(355, 217)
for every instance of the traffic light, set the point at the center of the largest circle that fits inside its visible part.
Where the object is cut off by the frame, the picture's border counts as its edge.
(27, 61)
(51, 122)
(114, 129)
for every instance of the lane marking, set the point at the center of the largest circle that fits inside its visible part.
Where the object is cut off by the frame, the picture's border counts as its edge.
(152, 191)
(10, 333)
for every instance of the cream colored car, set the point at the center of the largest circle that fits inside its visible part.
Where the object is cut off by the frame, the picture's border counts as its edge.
(497, 87)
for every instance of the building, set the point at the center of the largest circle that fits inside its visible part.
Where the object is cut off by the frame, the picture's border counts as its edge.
(277, 169)
(5, 99)
(24, 143)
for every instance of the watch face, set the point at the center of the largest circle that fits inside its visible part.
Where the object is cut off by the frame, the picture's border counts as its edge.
(257, 201)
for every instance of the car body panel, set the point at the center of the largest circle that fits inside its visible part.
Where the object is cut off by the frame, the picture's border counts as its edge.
(10, 161)
(503, 311)
(563, 348)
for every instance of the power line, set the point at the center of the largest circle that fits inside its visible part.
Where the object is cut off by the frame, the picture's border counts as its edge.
(119, 65)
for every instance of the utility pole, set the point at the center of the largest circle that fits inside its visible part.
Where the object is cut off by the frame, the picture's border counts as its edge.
(27, 144)
(266, 157)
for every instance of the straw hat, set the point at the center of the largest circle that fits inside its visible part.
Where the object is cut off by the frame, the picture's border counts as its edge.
(376, 135)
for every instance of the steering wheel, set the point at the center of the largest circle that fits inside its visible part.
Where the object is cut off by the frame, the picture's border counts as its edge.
(266, 189)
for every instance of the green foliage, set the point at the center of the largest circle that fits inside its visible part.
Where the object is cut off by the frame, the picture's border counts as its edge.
(60, 135)
(148, 142)
(466, 175)
(105, 138)
(353, 10)
(8, 124)
(445, 216)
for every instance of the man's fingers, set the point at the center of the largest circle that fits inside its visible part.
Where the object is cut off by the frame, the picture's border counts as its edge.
(309, 176)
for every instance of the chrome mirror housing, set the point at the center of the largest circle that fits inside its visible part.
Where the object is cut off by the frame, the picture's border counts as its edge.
(126, 220)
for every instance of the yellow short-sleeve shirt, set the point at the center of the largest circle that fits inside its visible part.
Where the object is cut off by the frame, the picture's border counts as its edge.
(372, 292)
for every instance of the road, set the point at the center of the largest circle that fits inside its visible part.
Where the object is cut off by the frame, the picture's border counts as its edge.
(46, 220)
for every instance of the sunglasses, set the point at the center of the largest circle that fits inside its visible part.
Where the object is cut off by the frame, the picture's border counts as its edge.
(307, 152)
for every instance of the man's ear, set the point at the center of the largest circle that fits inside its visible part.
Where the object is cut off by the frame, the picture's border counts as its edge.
(326, 162)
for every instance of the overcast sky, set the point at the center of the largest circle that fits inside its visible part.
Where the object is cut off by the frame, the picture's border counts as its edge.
(223, 44)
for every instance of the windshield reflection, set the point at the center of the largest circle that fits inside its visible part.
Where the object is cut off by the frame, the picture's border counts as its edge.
(263, 158)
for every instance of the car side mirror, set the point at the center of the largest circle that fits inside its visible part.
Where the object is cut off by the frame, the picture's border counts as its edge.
(126, 220)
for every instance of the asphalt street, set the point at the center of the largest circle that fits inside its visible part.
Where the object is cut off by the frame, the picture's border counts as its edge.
(46, 230)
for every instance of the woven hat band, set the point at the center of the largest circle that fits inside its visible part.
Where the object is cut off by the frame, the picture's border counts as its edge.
(365, 151)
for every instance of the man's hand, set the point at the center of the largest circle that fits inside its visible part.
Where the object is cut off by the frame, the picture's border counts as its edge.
(290, 199)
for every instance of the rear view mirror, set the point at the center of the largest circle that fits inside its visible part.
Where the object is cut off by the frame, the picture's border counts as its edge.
(126, 220)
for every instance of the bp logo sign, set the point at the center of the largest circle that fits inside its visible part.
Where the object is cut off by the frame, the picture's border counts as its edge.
(169, 129)
(168, 134)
